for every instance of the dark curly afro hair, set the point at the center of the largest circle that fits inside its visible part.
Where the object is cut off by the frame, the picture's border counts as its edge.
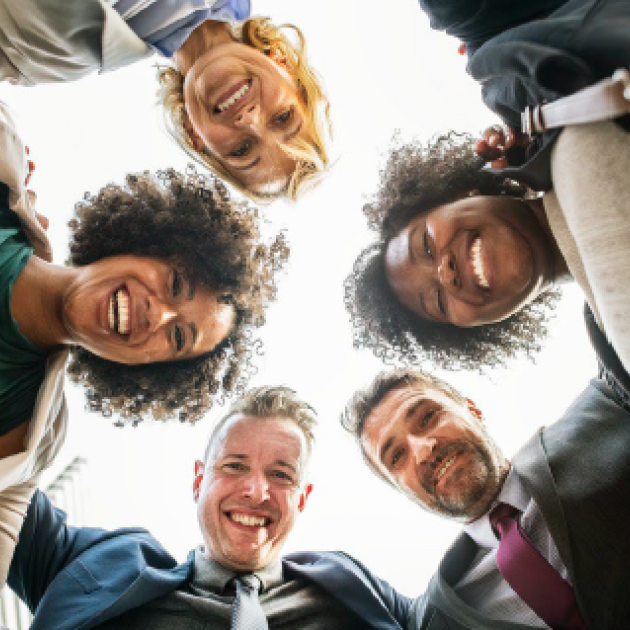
(416, 179)
(190, 221)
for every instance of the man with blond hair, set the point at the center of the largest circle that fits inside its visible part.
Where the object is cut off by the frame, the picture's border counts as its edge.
(249, 490)
(545, 534)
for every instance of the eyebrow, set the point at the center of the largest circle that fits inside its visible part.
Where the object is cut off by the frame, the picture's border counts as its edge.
(410, 252)
(192, 288)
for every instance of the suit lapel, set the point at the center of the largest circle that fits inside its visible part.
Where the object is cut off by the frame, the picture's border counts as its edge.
(532, 466)
(339, 577)
(442, 595)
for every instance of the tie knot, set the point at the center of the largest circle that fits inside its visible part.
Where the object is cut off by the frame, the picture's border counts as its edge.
(249, 581)
(499, 515)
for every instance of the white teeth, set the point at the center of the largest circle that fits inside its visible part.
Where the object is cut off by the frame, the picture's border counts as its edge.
(122, 301)
(252, 521)
(445, 467)
(477, 264)
(235, 97)
(119, 306)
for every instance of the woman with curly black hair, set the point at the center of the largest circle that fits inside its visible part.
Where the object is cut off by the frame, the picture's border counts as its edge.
(166, 281)
(464, 269)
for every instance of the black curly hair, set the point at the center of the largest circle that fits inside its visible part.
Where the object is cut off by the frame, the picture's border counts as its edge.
(190, 221)
(416, 179)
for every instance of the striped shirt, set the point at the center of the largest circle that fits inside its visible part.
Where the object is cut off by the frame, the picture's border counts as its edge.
(483, 587)
(164, 25)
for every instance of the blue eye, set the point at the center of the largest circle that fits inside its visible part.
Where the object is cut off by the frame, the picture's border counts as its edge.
(284, 117)
(242, 150)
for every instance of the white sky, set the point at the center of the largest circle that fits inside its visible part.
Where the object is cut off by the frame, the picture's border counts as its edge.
(384, 70)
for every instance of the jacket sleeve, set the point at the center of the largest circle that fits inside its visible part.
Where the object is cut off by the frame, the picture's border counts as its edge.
(398, 604)
(47, 545)
(515, 74)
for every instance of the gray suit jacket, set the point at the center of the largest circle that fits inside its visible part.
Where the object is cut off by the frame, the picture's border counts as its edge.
(49, 41)
(578, 472)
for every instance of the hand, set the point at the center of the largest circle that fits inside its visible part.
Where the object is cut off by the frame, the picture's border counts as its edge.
(497, 141)
(31, 167)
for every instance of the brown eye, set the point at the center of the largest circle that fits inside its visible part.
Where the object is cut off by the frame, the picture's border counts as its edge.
(440, 302)
(426, 245)
(179, 336)
(427, 418)
(396, 457)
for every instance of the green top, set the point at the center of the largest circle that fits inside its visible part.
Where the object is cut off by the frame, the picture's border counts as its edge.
(22, 365)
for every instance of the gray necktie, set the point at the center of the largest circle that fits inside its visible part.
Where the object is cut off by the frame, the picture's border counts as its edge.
(246, 611)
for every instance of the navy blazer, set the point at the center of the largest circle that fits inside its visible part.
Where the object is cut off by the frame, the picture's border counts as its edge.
(73, 578)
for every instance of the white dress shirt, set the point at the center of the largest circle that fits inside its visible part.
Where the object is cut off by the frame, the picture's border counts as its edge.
(483, 587)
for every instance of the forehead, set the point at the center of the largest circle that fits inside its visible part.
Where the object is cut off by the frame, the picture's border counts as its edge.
(261, 438)
(391, 413)
(214, 319)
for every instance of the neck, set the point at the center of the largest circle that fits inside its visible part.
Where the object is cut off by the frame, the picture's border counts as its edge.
(488, 501)
(206, 36)
(37, 303)
(560, 269)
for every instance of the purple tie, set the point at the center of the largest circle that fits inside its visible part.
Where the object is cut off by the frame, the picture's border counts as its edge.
(531, 577)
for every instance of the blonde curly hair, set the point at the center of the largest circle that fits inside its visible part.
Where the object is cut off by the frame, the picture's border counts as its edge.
(311, 156)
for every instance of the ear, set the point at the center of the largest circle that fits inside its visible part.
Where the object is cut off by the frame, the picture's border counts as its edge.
(278, 57)
(193, 136)
(474, 410)
(304, 496)
(199, 468)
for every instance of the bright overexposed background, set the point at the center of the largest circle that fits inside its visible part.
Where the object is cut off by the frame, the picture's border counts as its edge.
(384, 70)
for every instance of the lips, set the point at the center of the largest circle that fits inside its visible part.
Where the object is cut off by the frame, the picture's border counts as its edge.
(440, 464)
(119, 311)
(234, 97)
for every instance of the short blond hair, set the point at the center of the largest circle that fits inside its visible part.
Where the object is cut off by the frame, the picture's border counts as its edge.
(271, 402)
(311, 156)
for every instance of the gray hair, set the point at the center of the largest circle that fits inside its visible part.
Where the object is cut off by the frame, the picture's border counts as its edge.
(270, 402)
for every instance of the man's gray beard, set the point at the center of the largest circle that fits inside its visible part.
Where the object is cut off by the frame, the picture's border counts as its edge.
(477, 483)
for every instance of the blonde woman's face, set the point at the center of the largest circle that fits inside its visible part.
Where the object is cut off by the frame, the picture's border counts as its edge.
(242, 107)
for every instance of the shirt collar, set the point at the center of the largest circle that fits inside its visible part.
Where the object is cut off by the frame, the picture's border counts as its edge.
(210, 576)
(513, 493)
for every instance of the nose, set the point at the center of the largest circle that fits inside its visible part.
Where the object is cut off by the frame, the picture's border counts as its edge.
(421, 447)
(447, 271)
(159, 313)
(248, 118)
(255, 488)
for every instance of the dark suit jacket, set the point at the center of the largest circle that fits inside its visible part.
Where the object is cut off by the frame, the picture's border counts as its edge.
(80, 577)
(523, 53)
(578, 472)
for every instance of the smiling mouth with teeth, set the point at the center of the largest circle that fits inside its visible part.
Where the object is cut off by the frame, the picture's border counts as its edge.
(444, 467)
(250, 521)
(477, 264)
(237, 96)
(118, 311)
